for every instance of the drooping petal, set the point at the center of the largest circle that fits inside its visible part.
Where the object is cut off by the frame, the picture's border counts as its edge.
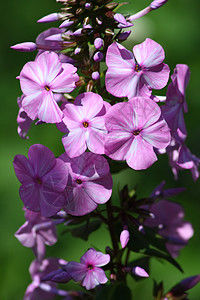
(149, 53)
(49, 111)
(141, 154)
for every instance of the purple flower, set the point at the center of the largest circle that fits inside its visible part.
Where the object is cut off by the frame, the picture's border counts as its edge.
(134, 129)
(171, 225)
(127, 77)
(98, 43)
(88, 271)
(39, 290)
(84, 123)
(122, 21)
(36, 232)
(175, 104)
(138, 271)
(180, 289)
(43, 178)
(39, 80)
(89, 183)
(157, 3)
(23, 121)
(98, 56)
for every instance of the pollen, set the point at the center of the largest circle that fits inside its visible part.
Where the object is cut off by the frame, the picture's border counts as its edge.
(78, 181)
(136, 132)
(47, 88)
(137, 68)
(85, 124)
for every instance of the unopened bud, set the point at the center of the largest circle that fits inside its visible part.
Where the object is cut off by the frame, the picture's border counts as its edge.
(95, 75)
(88, 6)
(98, 43)
(112, 5)
(77, 50)
(157, 3)
(109, 32)
(66, 23)
(124, 35)
(25, 47)
(49, 18)
(98, 56)
(140, 272)
(80, 82)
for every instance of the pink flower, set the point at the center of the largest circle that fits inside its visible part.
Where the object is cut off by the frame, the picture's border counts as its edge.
(128, 76)
(88, 271)
(36, 232)
(169, 219)
(175, 104)
(134, 129)
(84, 123)
(39, 80)
(43, 178)
(89, 183)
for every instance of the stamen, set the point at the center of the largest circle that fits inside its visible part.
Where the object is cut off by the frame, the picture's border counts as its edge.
(38, 180)
(136, 132)
(137, 67)
(90, 267)
(47, 88)
(78, 181)
(85, 124)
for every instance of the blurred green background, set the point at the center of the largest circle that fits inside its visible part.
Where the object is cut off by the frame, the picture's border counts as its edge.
(176, 26)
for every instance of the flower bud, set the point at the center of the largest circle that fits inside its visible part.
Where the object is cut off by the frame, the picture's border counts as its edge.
(157, 3)
(124, 238)
(77, 50)
(98, 56)
(140, 272)
(66, 23)
(95, 75)
(88, 6)
(25, 47)
(124, 35)
(49, 18)
(98, 43)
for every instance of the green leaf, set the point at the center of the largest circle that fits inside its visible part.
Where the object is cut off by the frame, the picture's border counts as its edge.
(118, 291)
(84, 231)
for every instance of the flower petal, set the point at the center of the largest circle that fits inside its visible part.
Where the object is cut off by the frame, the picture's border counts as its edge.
(157, 77)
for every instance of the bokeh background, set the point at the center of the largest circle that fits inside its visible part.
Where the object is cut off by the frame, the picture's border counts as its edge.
(176, 26)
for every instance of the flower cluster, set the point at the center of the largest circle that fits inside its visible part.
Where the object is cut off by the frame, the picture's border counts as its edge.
(103, 121)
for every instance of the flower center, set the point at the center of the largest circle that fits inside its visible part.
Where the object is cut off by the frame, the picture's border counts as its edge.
(90, 267)
(136, 132)
(137, 68)
(78, 181)
(38, 180)
(47, 88)
(85, 124)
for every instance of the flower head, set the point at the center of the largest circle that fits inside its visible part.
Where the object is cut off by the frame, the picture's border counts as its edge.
(134, 129)
(89, 183)
(128, 76)
(88, 270)
(43, 178)
(84, 123)
(39, 80)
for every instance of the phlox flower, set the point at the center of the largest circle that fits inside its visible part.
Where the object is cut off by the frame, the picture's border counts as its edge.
(39, 80)
(175, 104)
(89, 183)
(36, 232)
(84, 123)
(134, 129)
(131, 75)
(43, 178)
(88, 271)
(39, 290)
(169, 219)
(23, 121)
